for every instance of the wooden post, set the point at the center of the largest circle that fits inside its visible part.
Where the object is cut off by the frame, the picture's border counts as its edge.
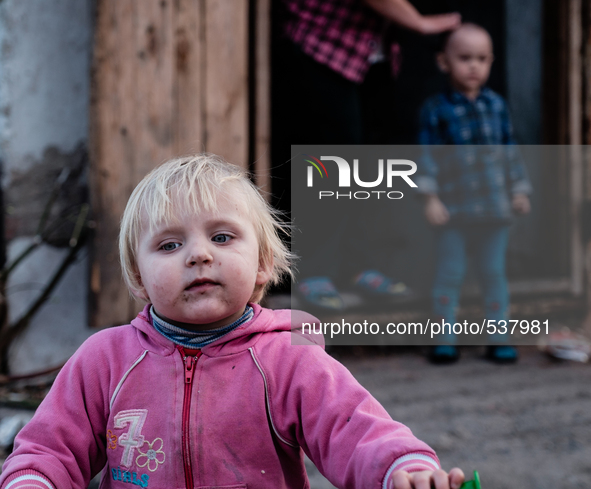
(586, 140)
(586, 16)
(169, 78)
(262, 63)
(226, 61)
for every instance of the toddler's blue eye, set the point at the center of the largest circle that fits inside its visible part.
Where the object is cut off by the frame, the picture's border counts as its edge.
(221, 238)
(170, 246)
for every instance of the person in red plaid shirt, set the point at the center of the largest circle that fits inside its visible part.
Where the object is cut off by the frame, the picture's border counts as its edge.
(346, 35)
(328, 48)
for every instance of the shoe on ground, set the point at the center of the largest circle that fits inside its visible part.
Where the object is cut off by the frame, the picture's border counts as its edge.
(321, 292)
(443, 354)
(502, 354)
(377, 284)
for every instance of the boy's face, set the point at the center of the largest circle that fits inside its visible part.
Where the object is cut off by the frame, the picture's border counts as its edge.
(467, 60)
(202, 270)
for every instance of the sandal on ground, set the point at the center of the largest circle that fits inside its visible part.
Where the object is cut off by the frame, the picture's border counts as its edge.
(502, 353)
(443, 354)
(320, 291)
(377, 284)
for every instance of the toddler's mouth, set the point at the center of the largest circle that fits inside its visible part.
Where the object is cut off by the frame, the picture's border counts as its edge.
(201, 284)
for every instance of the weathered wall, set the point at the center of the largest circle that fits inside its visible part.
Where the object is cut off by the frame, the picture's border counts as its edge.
(45, 54)
(44, 75)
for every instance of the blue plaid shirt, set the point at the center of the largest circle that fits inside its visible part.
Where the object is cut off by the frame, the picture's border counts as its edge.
(476, 168)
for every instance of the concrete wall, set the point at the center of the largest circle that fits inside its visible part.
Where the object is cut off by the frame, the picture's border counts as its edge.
(44, 75)
(45, 56)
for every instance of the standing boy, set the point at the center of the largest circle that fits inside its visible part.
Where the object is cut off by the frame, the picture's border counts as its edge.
(472, 192)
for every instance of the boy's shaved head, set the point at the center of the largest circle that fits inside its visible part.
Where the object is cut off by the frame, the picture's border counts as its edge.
(450, 37)
(466, 58)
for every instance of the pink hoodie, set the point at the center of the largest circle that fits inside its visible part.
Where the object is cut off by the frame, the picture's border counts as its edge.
(239, 414)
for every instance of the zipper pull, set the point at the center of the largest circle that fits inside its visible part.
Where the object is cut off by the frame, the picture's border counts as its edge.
(189, 369)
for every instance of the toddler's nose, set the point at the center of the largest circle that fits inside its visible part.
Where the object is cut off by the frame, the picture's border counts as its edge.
(199, 254)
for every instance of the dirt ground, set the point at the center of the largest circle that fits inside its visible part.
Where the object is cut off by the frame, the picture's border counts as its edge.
(525, 426)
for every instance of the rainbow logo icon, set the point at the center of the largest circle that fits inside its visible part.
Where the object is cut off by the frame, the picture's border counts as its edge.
(314, 162)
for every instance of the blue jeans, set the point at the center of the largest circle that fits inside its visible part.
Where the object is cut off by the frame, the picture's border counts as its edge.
(487, 244)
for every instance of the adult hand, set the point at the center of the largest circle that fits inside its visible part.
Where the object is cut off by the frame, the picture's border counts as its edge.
(403, 13)
(435, 24)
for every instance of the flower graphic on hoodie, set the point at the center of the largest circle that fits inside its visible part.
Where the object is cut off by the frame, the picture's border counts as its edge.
(154, 456)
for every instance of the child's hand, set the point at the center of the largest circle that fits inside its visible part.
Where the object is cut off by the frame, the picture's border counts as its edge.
(435, 211)
(427, 479)
(521, 204)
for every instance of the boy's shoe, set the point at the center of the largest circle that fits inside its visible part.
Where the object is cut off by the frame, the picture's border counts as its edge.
(443, 354)
(377, 284)
(320, 292)
(502, 354)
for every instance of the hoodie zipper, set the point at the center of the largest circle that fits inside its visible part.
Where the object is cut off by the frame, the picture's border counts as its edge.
(189, 362)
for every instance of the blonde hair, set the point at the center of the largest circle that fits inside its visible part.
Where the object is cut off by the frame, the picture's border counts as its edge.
(196, 182)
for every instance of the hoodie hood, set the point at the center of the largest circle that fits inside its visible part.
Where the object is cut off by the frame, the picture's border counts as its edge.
(240, 339)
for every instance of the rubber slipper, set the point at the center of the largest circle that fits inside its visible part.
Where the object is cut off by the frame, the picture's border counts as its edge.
(376, 283)
(321, 292)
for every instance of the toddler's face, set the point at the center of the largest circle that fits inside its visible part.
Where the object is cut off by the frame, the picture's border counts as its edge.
(201, 270)
(467, 60)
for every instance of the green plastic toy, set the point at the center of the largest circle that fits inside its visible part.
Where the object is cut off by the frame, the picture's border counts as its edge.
(474, 484)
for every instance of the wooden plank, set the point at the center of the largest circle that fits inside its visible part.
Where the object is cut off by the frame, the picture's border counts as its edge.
(586, 19)
(575, 68)
(262, 76)
(559, 19)
(169, 78)
(189, 73)
(587, 80)
(132, 131)
(155, 83)
(575, 130)
(112, 153)
(143, 81)
(226, 81)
